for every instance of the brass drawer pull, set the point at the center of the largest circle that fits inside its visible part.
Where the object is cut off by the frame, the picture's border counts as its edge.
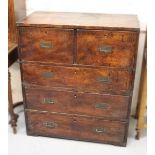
(46, 44)
(50, 124)
(105, 49)
(47, 75)
(100, 130)
(48, 101)
(101, 106)
(104, 79)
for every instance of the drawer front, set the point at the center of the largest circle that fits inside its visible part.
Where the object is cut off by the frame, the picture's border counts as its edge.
(107, 48)
(46, 45)
(79, 128)
(99, 105)
(82, 79)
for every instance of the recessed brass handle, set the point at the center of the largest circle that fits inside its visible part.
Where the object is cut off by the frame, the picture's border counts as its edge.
(105, 49)
(50, 124)
(101, 106)
(48, 101)
(46, 44)
(100, 130)
(104, 79)
(47, 75)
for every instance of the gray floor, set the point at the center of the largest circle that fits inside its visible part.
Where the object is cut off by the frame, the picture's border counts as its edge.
(21, 144)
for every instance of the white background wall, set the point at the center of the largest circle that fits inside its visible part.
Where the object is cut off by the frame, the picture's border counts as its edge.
(100, 6)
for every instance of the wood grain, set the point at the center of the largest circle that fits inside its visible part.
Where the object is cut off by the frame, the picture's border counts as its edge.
(77, 74)
(60, 41)
(123, 48)
(79, 128)
(113, 107)
(81, 78)
(82, 20)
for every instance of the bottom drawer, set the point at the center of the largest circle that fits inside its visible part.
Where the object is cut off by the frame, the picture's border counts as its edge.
(78, 128)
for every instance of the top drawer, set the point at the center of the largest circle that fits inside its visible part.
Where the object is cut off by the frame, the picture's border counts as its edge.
(107, 48)
(46, 45)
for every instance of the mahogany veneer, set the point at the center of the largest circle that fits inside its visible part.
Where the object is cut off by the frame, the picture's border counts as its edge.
(77, 74)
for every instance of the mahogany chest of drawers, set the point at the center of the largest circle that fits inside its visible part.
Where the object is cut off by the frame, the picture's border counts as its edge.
(77, 74)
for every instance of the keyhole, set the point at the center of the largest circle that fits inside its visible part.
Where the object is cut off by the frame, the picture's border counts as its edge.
(74, 120)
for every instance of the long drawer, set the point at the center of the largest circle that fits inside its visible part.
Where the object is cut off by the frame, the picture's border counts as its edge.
(106, 48)
(46, 45)
(99, 105)
(79, 128)
(80, 78)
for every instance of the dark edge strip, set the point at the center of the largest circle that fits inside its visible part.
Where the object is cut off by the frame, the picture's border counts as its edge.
(75, 47)
(79, 27)
(21, 72)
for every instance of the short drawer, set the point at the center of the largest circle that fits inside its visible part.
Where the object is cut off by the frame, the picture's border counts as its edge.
(46, 45)
(78, 128)
(107, 48)
(99, 105)
(80, 78)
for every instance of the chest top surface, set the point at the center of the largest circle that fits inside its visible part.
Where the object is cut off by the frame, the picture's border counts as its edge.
(81, 20)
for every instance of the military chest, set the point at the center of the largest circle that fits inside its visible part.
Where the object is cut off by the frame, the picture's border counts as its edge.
(77, 74)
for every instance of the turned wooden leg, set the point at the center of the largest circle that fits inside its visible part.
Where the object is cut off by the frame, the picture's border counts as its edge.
(137, 134)
(137, 110)
(13, 115)
(141, 124)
